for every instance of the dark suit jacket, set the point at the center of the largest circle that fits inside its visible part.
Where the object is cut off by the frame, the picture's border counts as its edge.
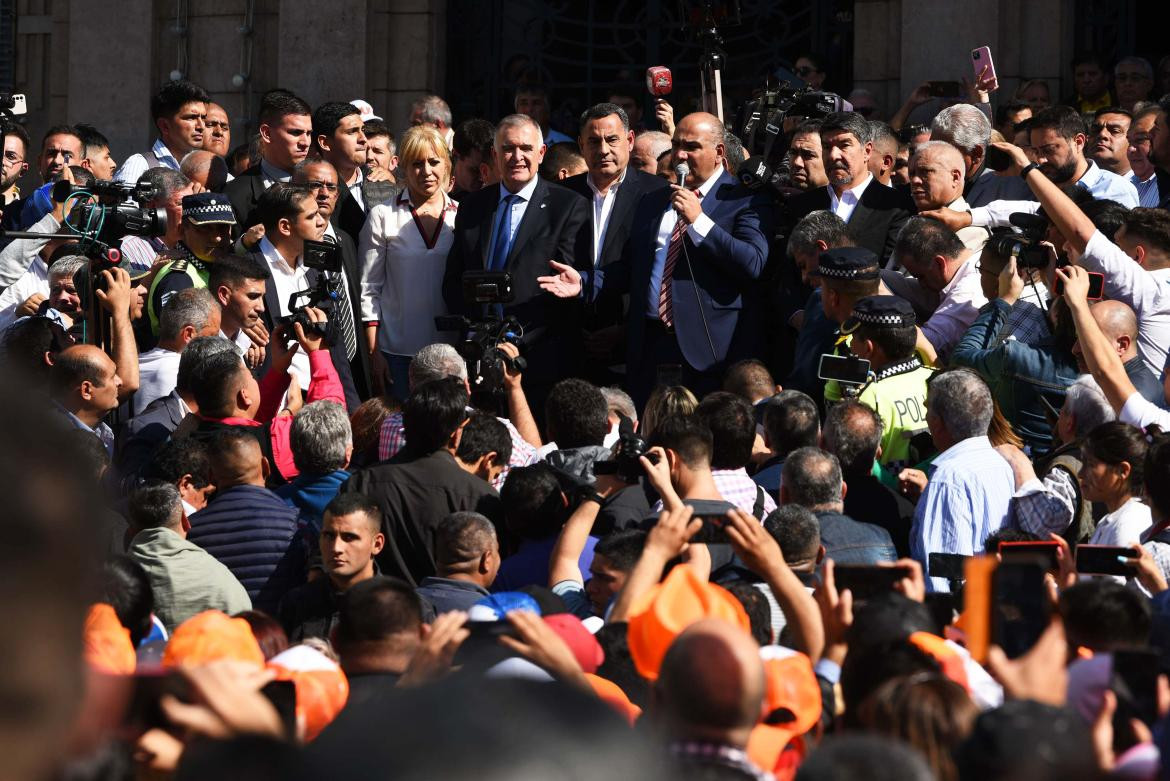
(244, 192)
(272, 309)
(144, 433)
(360, 365)
(349, 215)
(726, 265)
(607, 309)
(1163, 188)
(550, 229)
(876, 220)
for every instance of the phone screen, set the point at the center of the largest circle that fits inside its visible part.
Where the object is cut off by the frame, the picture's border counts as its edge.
(867, 581)
(848, 369)
(713, 531)
(1105, 560)
(1044, 550)
(997, 159)
(1135, 682)
(1020, 608)
(1096, 285)
(946, 565)
(945, 89)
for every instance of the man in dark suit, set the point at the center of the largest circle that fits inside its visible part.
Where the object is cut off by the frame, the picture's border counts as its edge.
(290, 215)
(519, 227)
(285, 132)
(690, 265)
(613, 189)
(874, 213)
(322, 180)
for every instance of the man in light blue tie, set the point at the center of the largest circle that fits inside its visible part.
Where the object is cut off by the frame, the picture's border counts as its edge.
(518, 227)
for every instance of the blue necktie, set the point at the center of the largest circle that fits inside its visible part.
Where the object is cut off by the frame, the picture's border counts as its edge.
(499, 256)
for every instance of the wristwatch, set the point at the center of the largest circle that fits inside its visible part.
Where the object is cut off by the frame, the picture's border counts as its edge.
(1028, 169)
(589, 495)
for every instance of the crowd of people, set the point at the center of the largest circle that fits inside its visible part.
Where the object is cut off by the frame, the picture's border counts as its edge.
(482, 450)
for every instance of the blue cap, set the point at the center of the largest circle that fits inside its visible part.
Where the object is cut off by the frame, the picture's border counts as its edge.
(208, 208)
(496, 606)
(880, 312)
(847, 263)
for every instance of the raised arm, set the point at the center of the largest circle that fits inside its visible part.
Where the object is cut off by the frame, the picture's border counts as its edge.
(1103, 361)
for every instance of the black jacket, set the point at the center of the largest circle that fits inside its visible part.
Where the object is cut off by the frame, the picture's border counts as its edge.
(414, 494)
(550, 229)
(244, 192)
(144, 434)
(875, 222)
(607, 309)
(868, 501)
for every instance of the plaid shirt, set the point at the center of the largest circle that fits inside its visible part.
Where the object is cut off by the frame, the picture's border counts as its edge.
(1026, 323)
(393, 436)
(736, 487)
(1046, 506)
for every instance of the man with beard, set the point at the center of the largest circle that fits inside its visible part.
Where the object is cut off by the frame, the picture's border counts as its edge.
(1058, 147)
(1150, 179)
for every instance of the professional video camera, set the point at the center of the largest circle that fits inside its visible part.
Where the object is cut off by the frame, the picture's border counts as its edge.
(105, 212)
(628, 451)
(325, 257)
(762, 126)
(1025, 245)
(486, 362)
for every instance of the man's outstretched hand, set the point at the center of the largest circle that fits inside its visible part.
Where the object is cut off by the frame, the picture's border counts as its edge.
(565, 284)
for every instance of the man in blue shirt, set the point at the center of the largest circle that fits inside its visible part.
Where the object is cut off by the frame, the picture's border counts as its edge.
(971, 486)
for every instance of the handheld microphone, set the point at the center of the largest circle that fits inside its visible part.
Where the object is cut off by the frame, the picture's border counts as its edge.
(681, 171)
(658, 80)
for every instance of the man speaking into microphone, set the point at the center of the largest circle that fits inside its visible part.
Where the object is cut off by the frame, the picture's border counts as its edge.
(690, 265)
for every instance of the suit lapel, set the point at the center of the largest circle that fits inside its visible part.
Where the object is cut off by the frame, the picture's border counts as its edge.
(623, 203)
(533, 215)
(492, 205)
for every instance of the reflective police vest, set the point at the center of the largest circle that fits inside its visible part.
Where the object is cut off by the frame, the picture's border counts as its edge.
(898, 394)
(185, 265)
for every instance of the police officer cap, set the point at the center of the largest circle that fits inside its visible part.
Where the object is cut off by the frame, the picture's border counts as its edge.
(880, 312)
(208, 208)
(847, 263)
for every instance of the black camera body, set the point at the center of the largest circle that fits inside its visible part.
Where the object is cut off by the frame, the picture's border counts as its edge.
(325, 257)
(762, 127)
(1025, 246)
(628, 451)
(486, 362)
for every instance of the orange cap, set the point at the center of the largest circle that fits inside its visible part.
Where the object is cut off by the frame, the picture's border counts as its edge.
(659, 615)
(792, 699)
(210, 636)
(947, 657)
(108, 648)
(322, 688)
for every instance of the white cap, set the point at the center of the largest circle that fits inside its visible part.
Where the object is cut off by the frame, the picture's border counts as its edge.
(366, 109)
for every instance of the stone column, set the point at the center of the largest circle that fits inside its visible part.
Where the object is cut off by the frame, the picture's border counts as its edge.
(322, 49)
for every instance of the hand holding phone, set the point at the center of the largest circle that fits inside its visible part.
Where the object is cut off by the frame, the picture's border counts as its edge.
(1096, 286)
(868, 581)
(1105, 560)
(980, 60)
(945, 89)
(845, 369)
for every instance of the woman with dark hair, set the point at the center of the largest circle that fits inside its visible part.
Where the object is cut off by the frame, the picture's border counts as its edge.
(366, 423)
(931, 713)
(267, 630)
(1113, 473)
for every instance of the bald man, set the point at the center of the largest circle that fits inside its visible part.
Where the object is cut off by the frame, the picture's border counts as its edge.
(709, 693)
(84, 383)
(467, 558)
(1119, 324)
(648, 147)
(246, 526)
(937, 174)
(690, 267)
(205, 167)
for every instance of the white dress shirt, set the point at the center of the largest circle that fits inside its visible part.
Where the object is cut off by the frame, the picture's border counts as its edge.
(843, 207)
(34, 280)
(602, 210)
(136, 165)
(1103, 185)
(402, 278)
(288, 279)
(355, 189)
(158, 371)
(1146, 292)
(697, 231)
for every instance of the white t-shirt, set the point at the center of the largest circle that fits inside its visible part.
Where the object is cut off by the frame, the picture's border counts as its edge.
(1124, 526)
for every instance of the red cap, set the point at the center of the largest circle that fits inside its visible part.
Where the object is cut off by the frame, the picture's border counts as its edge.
(580, 641)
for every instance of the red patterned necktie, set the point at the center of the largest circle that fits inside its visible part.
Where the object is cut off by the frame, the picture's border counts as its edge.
(673, 249)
